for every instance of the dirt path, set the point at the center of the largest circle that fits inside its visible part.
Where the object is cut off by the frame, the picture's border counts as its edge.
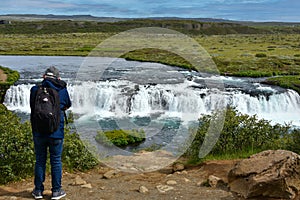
(3, 77)
(104, 183)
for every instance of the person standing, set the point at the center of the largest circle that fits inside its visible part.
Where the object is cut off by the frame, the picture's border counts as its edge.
(52, 140)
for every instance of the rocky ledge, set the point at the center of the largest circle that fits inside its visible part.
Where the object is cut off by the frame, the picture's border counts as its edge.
(269, 174)
(7, 78)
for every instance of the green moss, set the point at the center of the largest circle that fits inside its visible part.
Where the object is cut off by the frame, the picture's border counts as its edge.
(120, 138)
(289, 82)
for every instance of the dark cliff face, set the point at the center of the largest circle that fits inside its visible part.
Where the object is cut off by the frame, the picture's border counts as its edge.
(3, 89)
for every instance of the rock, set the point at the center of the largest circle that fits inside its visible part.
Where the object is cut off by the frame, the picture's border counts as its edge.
(102, 188)
(186, 180)
(164, 188)
(201, 183)
(215, 181)
(89, 186)
(181, 172)
(79, 181)
(178, 167)
(166, 170)
(111, 174)
(29, 189)
(171, 182)
(269, 174)
(169, 176)
(143, 189)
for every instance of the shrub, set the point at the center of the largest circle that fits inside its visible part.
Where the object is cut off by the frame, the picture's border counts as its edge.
(241, 134)
(120, 138)
(16, 147)
(260, 55)
(292, 141)
(17, 150)
(75, 154)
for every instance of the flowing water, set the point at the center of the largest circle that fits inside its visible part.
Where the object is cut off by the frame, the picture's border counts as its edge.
(112, 93)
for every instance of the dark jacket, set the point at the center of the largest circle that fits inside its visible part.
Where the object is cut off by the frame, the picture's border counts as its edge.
(65, 102)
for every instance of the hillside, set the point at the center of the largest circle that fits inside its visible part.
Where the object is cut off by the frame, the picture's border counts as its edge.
(48, 24)
(65, 26)
(50, 17)
(35, 17)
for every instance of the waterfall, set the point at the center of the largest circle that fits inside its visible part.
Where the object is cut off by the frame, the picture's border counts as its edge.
(124, 98)
(17, 98)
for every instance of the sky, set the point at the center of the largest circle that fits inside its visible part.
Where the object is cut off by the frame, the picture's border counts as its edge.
(245, 10)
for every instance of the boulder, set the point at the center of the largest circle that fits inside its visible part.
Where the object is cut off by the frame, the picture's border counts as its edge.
(269, 174)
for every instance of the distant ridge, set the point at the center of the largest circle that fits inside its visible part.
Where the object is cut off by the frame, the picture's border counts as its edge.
(217, 20)
(36, 17)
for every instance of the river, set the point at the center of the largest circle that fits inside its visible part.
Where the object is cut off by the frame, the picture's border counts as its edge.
(110, 93)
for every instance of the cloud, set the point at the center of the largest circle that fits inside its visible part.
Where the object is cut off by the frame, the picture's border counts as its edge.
(272, 10)
(258, 10)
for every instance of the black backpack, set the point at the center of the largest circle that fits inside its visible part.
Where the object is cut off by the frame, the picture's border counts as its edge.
(45, 113)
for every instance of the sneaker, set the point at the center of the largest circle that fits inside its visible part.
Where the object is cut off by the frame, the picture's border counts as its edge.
(37, 194)
(58, 195)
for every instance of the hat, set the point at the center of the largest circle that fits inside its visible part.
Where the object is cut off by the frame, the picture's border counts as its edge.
(52, 71)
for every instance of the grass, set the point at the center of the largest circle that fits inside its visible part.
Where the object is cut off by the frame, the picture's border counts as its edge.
(237, 54)
(234, 54)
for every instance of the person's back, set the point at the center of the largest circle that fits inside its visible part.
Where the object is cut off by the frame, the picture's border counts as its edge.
(53, 140)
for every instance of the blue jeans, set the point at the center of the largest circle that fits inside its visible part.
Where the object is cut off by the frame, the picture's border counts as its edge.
(41, 145)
